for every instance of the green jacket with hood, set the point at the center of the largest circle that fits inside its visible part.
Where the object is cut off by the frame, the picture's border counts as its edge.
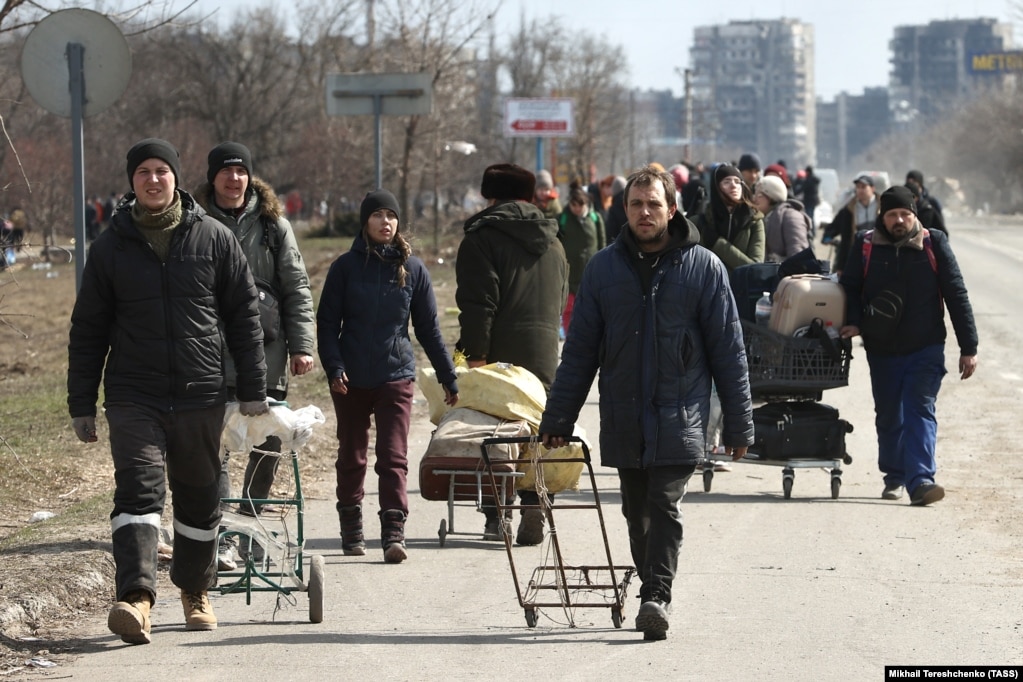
(269, 244)
(512, 285)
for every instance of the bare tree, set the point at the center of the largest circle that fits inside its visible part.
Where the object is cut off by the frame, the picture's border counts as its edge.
(441, 38)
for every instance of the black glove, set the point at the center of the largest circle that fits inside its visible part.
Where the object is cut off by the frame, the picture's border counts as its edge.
(253, 408)
(85, 428)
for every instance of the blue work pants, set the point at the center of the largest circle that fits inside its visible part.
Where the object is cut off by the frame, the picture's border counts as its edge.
(905, 391)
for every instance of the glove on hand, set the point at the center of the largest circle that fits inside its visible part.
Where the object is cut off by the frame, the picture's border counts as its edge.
(85, 428)
(253, 408)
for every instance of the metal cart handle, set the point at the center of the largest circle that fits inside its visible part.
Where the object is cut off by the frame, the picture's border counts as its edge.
(512, 440)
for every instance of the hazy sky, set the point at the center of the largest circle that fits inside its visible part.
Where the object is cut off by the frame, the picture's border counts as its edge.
(851, 36)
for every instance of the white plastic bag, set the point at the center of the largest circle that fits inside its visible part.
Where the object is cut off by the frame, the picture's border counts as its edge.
(293, 427)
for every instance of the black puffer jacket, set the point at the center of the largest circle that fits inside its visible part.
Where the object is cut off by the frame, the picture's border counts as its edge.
(159, 327)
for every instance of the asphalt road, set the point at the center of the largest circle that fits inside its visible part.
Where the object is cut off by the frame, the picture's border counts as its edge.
(809, 588)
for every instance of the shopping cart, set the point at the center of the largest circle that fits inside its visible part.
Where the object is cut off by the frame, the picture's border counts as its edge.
(790, 369)
(272, 543)
(556, 584)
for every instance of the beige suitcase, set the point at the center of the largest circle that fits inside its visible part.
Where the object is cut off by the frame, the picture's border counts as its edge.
(801, 298)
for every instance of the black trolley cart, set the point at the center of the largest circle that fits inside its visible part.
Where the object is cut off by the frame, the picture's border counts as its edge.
(793, 431)
(555, 584)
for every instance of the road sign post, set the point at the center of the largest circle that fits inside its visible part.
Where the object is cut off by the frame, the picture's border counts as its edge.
(379, 94)
(539, 117)
(90, 49)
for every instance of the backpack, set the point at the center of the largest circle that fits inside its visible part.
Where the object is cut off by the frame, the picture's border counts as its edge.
(563, 219)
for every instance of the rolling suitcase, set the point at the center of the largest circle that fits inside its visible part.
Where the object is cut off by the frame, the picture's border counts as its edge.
(798, 430)
(801, 298)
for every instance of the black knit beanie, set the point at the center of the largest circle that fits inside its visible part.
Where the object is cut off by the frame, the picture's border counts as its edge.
(376, 200)
(898, 196)
(152, 148)
(723, 171)
(228, 154)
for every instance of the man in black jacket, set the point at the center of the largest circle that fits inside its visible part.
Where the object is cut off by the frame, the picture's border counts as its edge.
(163, 290)
(907, 357)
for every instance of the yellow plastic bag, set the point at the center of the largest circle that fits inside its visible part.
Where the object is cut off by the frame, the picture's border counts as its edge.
(513, 393)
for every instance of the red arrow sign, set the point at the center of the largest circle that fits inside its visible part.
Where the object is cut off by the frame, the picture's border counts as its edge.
(535, 125)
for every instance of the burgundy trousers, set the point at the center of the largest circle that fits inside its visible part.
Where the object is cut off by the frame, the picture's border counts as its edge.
(391, 406)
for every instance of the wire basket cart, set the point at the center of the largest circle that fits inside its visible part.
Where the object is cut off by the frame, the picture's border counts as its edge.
(792, 369)
(555, 584)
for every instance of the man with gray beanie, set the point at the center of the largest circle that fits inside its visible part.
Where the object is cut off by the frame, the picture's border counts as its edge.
(249, 207)
(164, 288)
(899, 280)
(512, 276)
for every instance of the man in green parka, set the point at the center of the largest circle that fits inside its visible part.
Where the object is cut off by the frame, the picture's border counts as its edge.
(512, 277)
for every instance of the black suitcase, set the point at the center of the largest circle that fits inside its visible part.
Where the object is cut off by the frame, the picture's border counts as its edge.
(798, 430)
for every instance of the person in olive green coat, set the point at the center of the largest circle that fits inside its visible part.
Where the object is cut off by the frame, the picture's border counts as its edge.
(730, 226)
(581, 231)
(512, 283)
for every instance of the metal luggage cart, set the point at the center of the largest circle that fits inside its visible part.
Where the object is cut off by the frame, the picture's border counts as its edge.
(272, 545)
(790, 368)
(470, 487)
(555, 584)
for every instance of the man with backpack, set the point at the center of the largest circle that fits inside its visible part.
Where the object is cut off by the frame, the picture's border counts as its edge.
(249, 206)
(899, 279)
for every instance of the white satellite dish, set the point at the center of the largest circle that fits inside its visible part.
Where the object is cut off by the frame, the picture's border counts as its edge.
(106, 61)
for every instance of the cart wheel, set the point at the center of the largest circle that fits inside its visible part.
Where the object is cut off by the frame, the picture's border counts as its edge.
(442, 532)
(836, 486)
(531, 618)
(316, 589)
(708, 477)
(788, 476)
(847, 458)
(616, 616)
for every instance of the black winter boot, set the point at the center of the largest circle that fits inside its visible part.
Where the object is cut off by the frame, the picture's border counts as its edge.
(352, 541)
(392, 535)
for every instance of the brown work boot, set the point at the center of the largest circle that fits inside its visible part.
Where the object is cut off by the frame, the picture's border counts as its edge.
(130, 618)
(198, 611)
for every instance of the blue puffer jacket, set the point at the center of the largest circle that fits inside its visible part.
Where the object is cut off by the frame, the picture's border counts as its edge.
(657, 353)
(362, 322)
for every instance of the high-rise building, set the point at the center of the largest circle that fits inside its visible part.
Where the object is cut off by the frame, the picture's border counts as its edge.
(931, 65)
(753, 90)
(849, 125)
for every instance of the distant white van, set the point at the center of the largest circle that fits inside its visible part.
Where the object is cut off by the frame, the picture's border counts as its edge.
(829, 186)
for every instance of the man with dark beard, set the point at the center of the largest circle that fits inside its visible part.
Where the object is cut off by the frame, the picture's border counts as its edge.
(657, 356)
(907, 358)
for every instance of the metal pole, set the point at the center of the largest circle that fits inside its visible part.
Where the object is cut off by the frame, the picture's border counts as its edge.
(75, 56)
(688, 130)
(378, 107)
(539, 154)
